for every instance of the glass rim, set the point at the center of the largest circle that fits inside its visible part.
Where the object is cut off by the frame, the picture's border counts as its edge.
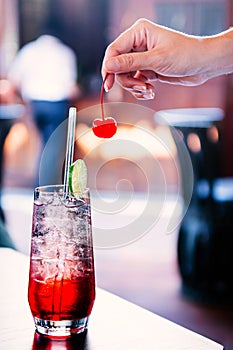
(49, 189)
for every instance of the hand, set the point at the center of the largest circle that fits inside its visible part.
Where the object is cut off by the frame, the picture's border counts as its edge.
(147, 52)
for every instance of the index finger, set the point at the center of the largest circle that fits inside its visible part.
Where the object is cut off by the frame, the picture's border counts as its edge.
(116, 48)
(126, 42)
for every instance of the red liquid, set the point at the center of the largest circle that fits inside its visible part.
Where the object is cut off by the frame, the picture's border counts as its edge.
(65, 299)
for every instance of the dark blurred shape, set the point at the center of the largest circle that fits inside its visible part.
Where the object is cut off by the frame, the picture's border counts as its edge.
(53, 27)
(193, 17)
(5, 239)
(205, 239)
(9, 112)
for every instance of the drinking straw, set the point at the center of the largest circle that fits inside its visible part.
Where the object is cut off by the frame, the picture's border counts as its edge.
(69, 147)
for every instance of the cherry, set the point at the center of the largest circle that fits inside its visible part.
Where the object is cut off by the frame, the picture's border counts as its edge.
(105, 127)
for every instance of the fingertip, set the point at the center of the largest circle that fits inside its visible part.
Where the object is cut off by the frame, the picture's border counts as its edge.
(108, 82)
(143, 94)
(106, 89)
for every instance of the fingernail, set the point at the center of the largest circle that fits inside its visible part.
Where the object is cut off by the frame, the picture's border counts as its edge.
(106, 89)
(149, 95)
(139, 88)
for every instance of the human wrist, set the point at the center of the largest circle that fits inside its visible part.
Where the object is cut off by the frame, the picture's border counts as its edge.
(219, 53)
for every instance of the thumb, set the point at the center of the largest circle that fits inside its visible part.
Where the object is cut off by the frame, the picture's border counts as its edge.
(128, 62)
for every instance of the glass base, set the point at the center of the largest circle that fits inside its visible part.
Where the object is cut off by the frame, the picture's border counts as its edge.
(64, 328)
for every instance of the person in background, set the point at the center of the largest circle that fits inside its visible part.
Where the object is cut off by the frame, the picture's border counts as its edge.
(147, 52)
(44, 72)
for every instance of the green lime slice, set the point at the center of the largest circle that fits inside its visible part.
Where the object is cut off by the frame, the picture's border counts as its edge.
(77, 177)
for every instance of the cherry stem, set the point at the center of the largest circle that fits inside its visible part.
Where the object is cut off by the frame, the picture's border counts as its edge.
(102, 97)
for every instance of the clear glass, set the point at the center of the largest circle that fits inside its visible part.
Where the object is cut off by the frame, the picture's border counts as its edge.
(61, 289)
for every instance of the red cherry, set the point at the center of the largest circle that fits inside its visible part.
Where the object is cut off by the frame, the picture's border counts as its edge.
(104, 128)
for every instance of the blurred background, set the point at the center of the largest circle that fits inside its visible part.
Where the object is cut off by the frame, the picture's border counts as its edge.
(148, 271)
(87, 28)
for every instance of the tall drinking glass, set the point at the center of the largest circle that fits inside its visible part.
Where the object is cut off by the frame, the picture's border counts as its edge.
(61, 288)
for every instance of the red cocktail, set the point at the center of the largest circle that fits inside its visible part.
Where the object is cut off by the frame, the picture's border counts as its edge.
(61, 282)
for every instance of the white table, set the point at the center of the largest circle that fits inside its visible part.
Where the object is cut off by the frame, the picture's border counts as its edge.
(115, 324)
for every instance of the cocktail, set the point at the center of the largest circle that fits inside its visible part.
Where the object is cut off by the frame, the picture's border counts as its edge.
(61, 280)
(61, 290)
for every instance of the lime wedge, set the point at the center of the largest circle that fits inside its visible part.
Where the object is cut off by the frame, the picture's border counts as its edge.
(77, 177)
